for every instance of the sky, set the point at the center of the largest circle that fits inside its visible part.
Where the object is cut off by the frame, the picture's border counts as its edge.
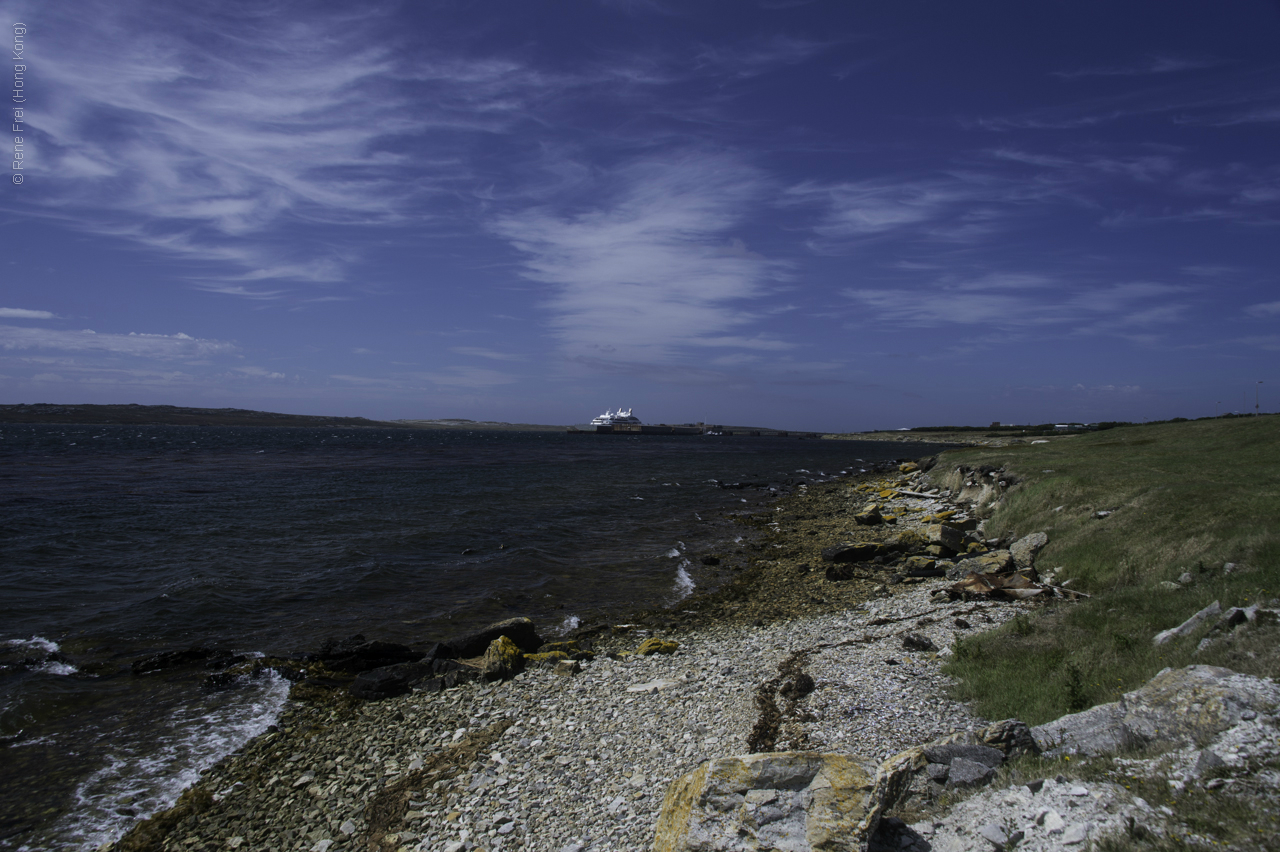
(810, 215)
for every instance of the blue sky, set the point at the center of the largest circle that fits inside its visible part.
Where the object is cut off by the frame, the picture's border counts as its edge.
(821, 215)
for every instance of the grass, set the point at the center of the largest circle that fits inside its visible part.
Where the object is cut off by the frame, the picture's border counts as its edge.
(1183, 498)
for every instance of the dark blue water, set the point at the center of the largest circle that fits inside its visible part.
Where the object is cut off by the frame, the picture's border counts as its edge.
(117, 541)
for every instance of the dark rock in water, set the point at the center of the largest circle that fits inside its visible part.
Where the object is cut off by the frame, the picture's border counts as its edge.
(171, 659)
(949, 753)
(917, 642)
(462, 674)
(963, 772)
(860, 552)
(220, 663)
(387, 681)
(710, 560)
(221, 680)
(356, 654)
(518, 630)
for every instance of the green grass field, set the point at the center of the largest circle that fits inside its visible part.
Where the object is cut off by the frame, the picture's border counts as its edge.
(1184, 498)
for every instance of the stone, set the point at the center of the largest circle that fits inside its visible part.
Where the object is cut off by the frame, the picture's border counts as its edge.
(1189, 625)
(567, 668)
(654, 645)
(869, 517)
(1076, 834)
(1208, 762)
(945, 535)
(1230, 619)
(829, 802)
(994, 562)
(994, 835)
(964, 772)
(937, 772)
(710, 560)
(387, 681)
(948, 752)
(1025, 549)
(1176, 707)
(348, 827)
(917, 642)
(1186, 579)
(851, 552)
(502, 660)
(1051, 821)
(521, 631)
(1011, 736)
(545, 659)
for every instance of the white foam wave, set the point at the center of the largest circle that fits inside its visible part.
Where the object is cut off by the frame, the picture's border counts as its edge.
(571, 622)
(684, 583)
(35, 643)
(152, 772)
(673, 553)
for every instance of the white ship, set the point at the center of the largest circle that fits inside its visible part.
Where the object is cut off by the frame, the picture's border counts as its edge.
(617, 418)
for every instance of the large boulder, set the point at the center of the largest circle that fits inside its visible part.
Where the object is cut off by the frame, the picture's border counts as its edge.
(1025, 549)
(792, 801)
(1177, 707)
(519, 630)
(995, 562)
(502, 660)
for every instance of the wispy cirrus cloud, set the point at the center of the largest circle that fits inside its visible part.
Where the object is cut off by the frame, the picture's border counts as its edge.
(481, 352)
(23, 313)
(656, 270)
(1264, 310)
(1148, 66)
(162, 346)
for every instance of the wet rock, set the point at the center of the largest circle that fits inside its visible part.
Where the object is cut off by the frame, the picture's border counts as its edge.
(710, 560)
(786, 800)
(521, 631)
(387, 681)
(1025, 549)
(502, 660)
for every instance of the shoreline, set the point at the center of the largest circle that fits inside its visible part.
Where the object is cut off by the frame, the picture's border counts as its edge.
(730, 642)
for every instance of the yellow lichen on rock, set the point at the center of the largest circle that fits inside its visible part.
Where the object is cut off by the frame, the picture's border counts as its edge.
(503, 659)
(545, 659)
(657, 646)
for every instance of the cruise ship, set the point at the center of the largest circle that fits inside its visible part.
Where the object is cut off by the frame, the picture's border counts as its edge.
(617, 418)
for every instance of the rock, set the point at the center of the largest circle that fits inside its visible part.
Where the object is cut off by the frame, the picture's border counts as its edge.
(1189, 625)
(945, 535)
(710, 560)
(937, 772)
(964, 772)
(356, 655)
(655, 645)
(995, 562)
(1076, 834)
(1051, 821)
(567, 668)
(519, 630)
(994, 835)
(1207, 762)
(851, 552)
(917, 642)
(1186, 579)
(919, 563)
(1176, 707)
(1169, 585)
(545, 659)
(908, 467)
(797, 687)
(1025, 549)
(870, 517)
(784, 800)
(1231, 618)
(948, 752)
(387, 681)
(502, 660)
(1011, 736)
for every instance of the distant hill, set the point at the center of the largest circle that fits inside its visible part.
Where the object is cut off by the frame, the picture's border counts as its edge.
(172, 415)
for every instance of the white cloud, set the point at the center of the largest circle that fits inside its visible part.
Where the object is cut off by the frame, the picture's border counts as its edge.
(479, 352)
(654, 271)
(1152, 65)
(1264, 309)
(260, 372)
(22, 313)
(162, 346)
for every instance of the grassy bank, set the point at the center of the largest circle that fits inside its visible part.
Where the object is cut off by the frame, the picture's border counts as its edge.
(1183, 498)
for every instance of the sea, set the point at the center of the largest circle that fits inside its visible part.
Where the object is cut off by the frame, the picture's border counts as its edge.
(117, 542)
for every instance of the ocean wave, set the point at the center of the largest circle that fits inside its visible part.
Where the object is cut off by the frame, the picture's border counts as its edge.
(684, 583)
